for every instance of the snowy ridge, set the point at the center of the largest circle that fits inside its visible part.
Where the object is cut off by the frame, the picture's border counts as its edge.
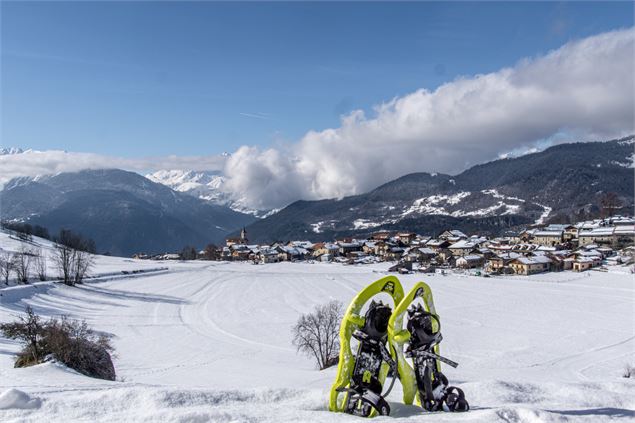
(365, 224)
(433, 203)
(12, 150)
(484, 203)
(438, 204)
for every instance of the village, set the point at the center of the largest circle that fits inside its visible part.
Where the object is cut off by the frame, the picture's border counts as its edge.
(549, 248)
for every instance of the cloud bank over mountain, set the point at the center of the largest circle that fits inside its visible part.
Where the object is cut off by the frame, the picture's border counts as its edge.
(581, 91)
(584, 89)
(34, 163)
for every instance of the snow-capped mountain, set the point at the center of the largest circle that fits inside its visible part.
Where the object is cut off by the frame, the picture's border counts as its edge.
(10, 150)
(206, 185)
(122, 211)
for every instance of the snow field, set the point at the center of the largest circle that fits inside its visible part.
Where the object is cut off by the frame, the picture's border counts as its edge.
(211, 342)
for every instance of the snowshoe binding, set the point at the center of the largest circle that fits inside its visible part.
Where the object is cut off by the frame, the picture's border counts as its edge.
(358, 387)
(423, 335)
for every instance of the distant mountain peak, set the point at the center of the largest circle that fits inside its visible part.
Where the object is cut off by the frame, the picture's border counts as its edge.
(11, 150)
(206, 185)
(122, 211)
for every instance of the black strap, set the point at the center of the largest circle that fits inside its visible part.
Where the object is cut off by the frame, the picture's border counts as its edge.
(429, 354)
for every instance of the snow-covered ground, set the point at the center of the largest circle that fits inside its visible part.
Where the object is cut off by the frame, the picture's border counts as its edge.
(208, 341)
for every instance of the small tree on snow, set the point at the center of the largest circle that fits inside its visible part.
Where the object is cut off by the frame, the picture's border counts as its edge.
(6, 266)
(73, 265)
(39, 262)
(82, 263)
(28, 329)
(316, 334)
(63, 259)
(22, 264)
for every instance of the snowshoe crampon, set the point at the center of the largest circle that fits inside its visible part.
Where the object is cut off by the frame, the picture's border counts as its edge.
(422, 381)
(360, 376)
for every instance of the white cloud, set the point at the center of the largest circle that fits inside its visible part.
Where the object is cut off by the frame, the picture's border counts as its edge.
(581, 91)
(584, 89)
(34, 163)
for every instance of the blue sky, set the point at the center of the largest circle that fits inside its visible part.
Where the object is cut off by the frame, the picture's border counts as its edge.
(154, 78)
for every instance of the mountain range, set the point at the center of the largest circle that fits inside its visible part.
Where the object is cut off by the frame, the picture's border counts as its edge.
(559, 183)
(125, 212)
(122, 211)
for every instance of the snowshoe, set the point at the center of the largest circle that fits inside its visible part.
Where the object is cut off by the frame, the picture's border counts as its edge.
(360, 377)
(424, 379)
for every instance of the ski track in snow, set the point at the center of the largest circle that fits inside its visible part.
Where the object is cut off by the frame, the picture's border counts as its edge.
(211, 342)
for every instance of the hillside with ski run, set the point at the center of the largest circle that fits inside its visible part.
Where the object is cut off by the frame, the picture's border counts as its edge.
(211, 341)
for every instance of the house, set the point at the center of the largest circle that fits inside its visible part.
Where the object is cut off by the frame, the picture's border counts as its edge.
(425, 254)
(346, 247)
(288, 253)
(418, 254)
(381, 236)
(548, 237)
(469, 261)
(624, 235)
(394, 253)
(526, 235)
(485, 252)
(438, 244)
(267, 255)
(584, 263)
(570, 233)
(323, 248)
(592, 254)
(530, 265)
(599, 236)
(463, 247)
(401, 267)
(369, 247)
(406, 238)
(239, 252)
(307, 245)
(561, 260)
(500, 262)
(452, 235)
(420, 241)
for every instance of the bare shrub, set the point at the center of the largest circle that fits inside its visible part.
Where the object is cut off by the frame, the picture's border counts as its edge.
(30, 330)
(39, 262)
(63, 259)
(80, 348)
(69, 341)
(6, 266)
(22, 264)
(316, 334)
(83, 262)
(72, 259)
(629, 371)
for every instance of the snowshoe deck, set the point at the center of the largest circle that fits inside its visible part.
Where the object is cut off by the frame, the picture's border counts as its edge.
(423, 381)
(360, 377)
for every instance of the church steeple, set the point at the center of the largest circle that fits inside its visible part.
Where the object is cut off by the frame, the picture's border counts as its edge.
(243, 235)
